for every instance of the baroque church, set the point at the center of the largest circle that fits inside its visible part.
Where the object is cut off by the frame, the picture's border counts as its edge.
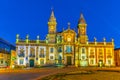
(67, 47)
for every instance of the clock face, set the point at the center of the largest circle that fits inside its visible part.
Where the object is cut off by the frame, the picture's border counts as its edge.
(82, 30)
(52, 27)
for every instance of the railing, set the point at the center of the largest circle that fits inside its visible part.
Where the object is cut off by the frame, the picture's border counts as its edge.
(32, 41)
(109, 43)
(41, 55)
(31, 55)
(21, 55)
(22, 41)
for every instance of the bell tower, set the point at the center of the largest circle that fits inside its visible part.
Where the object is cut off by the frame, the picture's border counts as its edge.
(82, 34)
(51, 37)
(52, 24)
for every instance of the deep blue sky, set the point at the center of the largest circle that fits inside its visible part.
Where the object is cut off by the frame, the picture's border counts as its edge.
(31, 17)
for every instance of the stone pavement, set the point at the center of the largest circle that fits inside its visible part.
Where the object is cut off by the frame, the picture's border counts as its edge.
(43, 72)
(73, 69)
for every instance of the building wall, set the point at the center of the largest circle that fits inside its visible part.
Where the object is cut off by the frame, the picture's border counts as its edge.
(5, 53)
(4, 60)
(75, 48)
(117, 57)
(80, 56)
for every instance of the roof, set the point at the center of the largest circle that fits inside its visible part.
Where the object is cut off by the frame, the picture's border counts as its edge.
(81, 20)
(69, 31)
(6, 42)
(52, 17)
(117, 49)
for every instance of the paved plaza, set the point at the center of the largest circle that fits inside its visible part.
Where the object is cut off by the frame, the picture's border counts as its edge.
(39, 73)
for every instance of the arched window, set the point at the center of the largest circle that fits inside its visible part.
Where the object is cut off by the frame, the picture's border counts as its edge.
(83, 50)
(68, 49)
(42, 52)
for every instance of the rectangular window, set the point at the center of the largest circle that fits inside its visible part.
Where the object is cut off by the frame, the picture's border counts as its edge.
(109, 51)
(91, 51)
(42, 61)
(51, 50)
(42, 53)
(109, 61)
(100, 51)
(83, 50)
(2, 62)
(21, 61)
(68, 49)
(1, 55)
(91, 61)
(51, 57)
(83, 57)
(60, 49)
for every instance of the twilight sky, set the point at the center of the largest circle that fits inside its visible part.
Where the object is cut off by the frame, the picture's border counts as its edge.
(31, 16)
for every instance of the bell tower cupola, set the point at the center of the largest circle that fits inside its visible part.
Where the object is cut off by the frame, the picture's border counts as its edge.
(52, 23)
(82, 33)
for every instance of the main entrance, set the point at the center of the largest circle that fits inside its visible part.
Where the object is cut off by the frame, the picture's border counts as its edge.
(69, 60)
(31, 63)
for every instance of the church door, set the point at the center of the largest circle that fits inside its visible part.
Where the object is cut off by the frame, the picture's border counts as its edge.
(68, 60)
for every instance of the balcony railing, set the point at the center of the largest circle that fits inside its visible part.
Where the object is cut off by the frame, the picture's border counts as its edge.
(32, 55)
(41, 55)
(21, 55)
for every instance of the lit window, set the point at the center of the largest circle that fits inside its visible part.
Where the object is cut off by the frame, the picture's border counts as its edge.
(68, 49)
(60, 49)
(91, 51)
(109, 61)
(83, 50)
(1, 61)
(109, 52)
(1, 55)
(42, 52)
(21, 53)
(83, 57)
(32, 52)
(51, 57)
(100, 51)
(42, 61)
(59, 57)
(91, 61)
(69, 39)
(21, 61)
(51, 50)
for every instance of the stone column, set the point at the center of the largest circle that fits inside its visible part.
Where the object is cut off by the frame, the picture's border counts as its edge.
(26, 56)
(36, 55)
(17, 61)
(47, 54)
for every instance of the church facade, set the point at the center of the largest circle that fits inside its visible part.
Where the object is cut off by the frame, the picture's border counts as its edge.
(66, 47)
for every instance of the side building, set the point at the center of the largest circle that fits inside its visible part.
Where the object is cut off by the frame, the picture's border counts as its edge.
(5, 52)
(117, 56)
(66, 47)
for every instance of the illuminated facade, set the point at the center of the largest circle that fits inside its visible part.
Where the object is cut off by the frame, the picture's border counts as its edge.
(5, 52)
(117, 56)
(66, 47)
